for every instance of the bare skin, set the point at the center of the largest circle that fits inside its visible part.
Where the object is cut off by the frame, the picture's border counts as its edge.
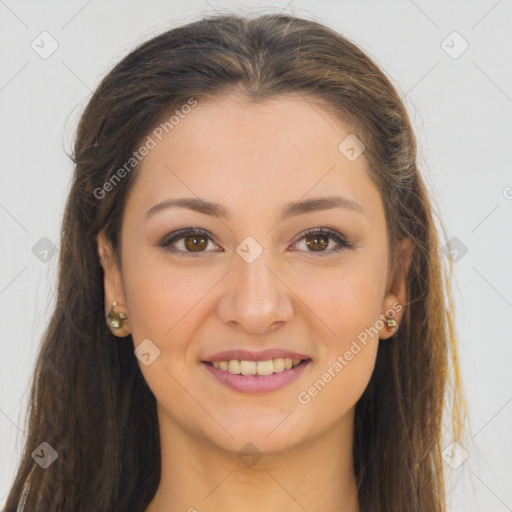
(253, 159)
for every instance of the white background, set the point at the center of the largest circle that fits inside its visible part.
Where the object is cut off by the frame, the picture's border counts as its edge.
(461, 109)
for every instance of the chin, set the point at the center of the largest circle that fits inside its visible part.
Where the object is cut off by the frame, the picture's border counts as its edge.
(265, 437)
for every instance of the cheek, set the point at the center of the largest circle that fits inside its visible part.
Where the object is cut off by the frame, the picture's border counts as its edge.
(162, 296)
(349, 347)
(347, 299)
(335, 387)
(169, 304)
(165, 306)
(349, 306)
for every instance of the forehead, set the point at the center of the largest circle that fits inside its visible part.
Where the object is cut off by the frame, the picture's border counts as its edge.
(231, 150)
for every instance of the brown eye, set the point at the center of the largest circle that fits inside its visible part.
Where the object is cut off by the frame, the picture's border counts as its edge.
(195, 243)
(317, 242)
(187, 242)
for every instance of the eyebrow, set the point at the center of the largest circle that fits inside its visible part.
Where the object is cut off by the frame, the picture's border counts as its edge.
(290, 209)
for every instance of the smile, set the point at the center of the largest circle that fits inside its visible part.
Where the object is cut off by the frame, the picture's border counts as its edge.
(244, 367)
(257, 376)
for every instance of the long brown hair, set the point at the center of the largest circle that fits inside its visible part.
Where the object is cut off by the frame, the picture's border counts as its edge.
(89, 400)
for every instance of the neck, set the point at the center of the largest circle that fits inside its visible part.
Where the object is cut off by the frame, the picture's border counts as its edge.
(197, 476)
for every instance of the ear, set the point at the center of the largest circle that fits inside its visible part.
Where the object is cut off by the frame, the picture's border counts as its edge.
(394, 302)
(112, 283)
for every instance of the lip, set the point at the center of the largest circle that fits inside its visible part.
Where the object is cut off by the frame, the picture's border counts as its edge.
(257, 383)
(248, 355)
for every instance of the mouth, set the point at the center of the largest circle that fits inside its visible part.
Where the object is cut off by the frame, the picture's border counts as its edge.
(249, 376)
(257, 368)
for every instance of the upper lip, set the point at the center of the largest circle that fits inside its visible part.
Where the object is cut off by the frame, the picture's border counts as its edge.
(248, 355)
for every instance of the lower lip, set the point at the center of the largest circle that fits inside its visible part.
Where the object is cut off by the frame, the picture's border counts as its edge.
(258, 383)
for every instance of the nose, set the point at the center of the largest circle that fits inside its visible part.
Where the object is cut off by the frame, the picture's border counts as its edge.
(257, 298)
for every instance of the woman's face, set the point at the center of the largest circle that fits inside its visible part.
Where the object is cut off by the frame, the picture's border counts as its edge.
(251, 279)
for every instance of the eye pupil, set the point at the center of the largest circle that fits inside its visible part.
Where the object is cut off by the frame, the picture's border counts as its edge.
(197, 240)
(320, 241)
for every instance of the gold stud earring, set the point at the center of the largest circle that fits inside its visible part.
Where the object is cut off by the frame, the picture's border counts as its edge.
(391, 322)
(115, 320)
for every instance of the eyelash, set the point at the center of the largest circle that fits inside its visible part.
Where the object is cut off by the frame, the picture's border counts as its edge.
(183, 233)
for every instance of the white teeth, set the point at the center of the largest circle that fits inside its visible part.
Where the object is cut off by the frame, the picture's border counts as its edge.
(265, 367)
(248, 367)
(268, 367)
(278, 365)
(234, 366)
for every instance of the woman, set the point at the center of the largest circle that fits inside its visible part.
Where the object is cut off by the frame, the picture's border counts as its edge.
(248, 218)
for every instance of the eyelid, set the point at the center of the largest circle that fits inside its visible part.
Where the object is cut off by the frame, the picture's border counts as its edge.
(329, 232)
(341, 241)
(182, 233)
